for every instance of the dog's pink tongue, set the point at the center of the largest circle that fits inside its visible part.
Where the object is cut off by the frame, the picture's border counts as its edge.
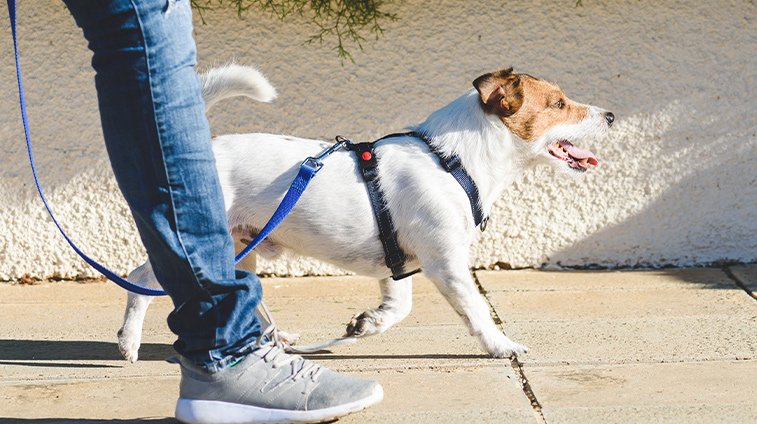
(578, 154)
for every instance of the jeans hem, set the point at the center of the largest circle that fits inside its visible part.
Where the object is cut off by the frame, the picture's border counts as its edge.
(231, 359)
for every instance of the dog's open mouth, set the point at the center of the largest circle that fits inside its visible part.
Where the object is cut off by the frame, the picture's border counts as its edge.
(577, 159)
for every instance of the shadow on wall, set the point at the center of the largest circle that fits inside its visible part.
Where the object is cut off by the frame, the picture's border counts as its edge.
(659, 197)
(699, 208)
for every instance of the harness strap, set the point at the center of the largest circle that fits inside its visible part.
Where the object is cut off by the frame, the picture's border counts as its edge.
(394, 256)
(453, 165)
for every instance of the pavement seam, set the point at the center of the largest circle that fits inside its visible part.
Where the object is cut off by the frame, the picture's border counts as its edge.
(516, 365)
(727, 271)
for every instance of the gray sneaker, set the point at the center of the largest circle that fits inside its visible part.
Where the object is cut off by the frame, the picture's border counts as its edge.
(270, 386)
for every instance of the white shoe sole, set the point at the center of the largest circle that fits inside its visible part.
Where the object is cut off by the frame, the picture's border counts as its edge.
(195, 411)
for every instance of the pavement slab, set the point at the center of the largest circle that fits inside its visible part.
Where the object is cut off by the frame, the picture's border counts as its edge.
(488, 394)
(702, 413)
(718, 382)
(81, 399)
(634, 316)
(681, 392)
(637, 340)
(59, 360)
(626, 347)
(633, 346)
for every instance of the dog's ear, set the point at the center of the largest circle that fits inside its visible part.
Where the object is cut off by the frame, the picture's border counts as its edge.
(501, 92)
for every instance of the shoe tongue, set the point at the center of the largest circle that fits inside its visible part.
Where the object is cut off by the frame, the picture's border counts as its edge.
(577, 153)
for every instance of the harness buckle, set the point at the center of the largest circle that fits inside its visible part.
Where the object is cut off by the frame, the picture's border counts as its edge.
(483, 224)
(450, 164)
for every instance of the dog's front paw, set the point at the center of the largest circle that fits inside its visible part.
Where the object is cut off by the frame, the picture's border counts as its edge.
(500, 346)
(128, 344)
(365, 324)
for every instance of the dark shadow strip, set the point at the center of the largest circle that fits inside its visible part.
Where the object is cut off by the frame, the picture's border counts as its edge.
(727, 270)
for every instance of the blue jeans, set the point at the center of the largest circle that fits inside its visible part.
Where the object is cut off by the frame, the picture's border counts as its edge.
(159, 145)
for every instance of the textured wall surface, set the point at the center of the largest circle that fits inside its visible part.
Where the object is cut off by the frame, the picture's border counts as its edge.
(675, 184)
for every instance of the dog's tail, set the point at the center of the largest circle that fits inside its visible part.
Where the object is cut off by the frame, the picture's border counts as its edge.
(234, 80)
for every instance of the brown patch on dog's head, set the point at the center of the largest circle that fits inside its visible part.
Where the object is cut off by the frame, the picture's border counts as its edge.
(500, 92)
(528, 106)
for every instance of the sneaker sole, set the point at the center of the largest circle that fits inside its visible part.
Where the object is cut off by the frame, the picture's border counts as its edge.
(196, 411)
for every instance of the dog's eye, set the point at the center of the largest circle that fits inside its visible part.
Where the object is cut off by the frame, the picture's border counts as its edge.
(560, 104)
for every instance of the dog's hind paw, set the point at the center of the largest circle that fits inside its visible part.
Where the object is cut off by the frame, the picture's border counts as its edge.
(365, 324)
(289, 338)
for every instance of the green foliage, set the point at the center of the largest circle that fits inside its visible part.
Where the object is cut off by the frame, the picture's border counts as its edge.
(347, 20)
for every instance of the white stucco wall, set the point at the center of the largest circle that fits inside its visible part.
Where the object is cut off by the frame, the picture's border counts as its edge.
(676, 183)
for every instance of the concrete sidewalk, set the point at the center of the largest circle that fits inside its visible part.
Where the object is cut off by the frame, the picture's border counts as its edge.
(630, 347)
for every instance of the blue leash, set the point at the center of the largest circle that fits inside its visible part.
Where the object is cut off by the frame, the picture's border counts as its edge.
(308, 169)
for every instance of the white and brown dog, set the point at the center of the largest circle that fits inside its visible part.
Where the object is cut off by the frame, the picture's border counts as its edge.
(505, 125)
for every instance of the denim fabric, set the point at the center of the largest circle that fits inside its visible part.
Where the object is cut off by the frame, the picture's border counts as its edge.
(159, 146)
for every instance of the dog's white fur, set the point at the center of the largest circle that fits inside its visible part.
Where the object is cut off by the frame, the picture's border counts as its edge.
(333, 220)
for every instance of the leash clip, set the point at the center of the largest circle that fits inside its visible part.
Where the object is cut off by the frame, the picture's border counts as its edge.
(483, 224)
(316, 162)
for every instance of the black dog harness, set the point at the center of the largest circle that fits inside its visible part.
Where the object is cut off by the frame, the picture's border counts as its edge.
(394, 255)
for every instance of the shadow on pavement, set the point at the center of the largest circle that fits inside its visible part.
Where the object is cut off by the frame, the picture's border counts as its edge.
(51, 350)
(85, 421)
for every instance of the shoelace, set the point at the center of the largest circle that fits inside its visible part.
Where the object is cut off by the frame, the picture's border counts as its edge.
(270, 339)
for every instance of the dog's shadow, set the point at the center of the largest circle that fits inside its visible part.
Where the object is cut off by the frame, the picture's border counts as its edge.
(79, 350)
(76, 350)
(93, 421)
(86, 421)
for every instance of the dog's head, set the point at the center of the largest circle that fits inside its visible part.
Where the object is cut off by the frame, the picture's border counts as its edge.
(538, 113)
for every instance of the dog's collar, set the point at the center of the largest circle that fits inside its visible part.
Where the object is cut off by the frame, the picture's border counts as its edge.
(453, 165)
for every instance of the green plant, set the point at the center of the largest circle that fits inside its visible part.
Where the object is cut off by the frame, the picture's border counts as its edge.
(347, 20)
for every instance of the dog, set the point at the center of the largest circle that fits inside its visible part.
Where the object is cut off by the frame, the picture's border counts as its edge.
(505, 125)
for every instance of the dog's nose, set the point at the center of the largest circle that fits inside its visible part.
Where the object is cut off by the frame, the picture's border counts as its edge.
(610, 118)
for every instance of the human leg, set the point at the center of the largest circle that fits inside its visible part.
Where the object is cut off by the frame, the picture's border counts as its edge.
(159, 145)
